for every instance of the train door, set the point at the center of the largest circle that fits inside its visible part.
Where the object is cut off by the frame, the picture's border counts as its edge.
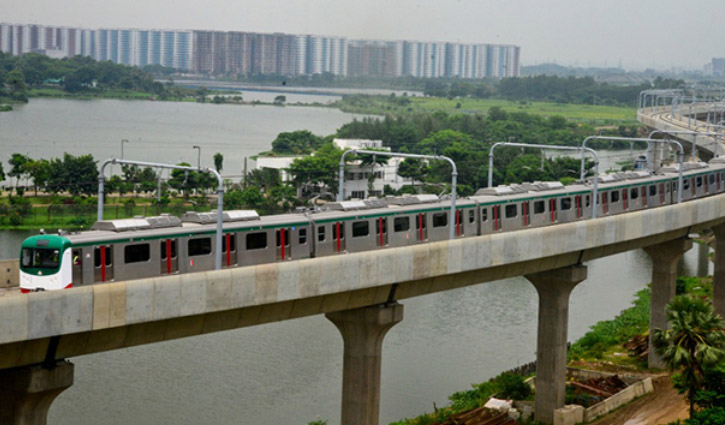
(525, 214)
(717, 179)
(381, 231)
(604, 203)
(338, 235)
(470, 224)
(643, 195)
(229, 250)
(103, 263)
(553, 216)
(77, 258)
(496, 217)
(169, 257)
(460, 228)
(301, 246)
(284, 250)
(624, 199)
(578, 206)
(421, 226)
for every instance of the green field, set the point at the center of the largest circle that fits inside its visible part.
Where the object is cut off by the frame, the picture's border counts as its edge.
(381, 105)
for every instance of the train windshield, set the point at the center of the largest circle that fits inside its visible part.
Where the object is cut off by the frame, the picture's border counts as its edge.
(40, 258)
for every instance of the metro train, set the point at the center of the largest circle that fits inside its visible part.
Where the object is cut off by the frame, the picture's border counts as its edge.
(125, 249)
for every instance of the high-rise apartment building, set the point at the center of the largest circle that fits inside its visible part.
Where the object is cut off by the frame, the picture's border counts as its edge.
(245, 53)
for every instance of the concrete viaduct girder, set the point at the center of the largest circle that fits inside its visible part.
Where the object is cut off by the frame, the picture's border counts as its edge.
(123, 314)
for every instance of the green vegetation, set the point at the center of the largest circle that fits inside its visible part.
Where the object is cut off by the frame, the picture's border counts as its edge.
(506, 386)
(382, 105)
(607, 336)
(694, 343)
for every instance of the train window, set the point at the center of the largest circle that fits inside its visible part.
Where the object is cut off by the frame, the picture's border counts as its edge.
(565, 204)
(199, 246)
(163, 249)
(633, 193)
(232, 243)
(615, 196)
(41, 258)
(471, 216)
(97, 256)
(321, 234)
(302, 236)
(539, 207)
(279, 237)
(360, 229)
(587, 201)
(652, 190)
(686, 184)
(257, 240)
(440, 219)
(511, 211)
(401, 224)
(699, 181)
(484, 214)
(137, 253)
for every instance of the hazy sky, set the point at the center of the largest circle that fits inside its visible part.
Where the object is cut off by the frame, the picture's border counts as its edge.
(637, 33)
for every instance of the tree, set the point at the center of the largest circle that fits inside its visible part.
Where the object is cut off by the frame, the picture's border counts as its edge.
(16, 81)
(412, 168)
(280, 100)
(76, 174)
(218, 162)
(39, 171)
(695, 342)
(320, 168)
(298, 142)
(184, 180)
(19, 164)
(2, 172)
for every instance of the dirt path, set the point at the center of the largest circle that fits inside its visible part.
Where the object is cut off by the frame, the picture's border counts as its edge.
(662, 406)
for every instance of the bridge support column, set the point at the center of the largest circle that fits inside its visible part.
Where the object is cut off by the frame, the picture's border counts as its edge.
(27, 392)
(554, 288)
(363, 330)
(718, 278)
(664, 278)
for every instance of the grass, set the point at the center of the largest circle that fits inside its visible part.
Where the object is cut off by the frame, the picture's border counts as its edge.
(380, 105)
(108, 94)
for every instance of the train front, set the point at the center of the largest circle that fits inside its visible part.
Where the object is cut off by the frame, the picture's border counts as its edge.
(45, 263)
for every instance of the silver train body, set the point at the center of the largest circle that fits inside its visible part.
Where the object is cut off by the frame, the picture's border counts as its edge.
(118, 250)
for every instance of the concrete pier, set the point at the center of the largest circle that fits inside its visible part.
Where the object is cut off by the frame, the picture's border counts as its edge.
(554, 288)
(718, 278)
(363, 330)
(664, 277)
(27, 392)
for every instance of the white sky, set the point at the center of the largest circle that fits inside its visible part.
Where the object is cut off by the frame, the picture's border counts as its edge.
(639, 33)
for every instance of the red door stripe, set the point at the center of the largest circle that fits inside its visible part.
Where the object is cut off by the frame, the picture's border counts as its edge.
(168, 256)
(380, 228)
(103, 263)
(338, 236)
(229, 250)
(281, 238)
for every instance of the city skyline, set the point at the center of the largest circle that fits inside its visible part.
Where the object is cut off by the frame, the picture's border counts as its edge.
(245, 53)
(643, 34)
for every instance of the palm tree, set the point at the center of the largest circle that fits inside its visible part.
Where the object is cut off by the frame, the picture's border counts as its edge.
(695, 342)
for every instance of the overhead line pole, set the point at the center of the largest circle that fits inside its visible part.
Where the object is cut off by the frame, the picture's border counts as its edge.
(555, 147)
(454, 176)
(220, 195)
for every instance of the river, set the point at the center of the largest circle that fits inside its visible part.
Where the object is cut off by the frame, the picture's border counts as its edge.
(286, 373)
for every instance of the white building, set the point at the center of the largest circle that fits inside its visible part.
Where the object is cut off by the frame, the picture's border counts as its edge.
(357, 176)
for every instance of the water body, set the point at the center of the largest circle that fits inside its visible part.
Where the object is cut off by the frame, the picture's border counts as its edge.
(157, 131)
(286, 373)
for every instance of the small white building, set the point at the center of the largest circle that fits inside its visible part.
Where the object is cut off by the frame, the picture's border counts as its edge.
(281, 163)
(356, 175)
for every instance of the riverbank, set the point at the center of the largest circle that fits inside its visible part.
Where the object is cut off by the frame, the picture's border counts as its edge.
(403, 105)
(606, 347)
